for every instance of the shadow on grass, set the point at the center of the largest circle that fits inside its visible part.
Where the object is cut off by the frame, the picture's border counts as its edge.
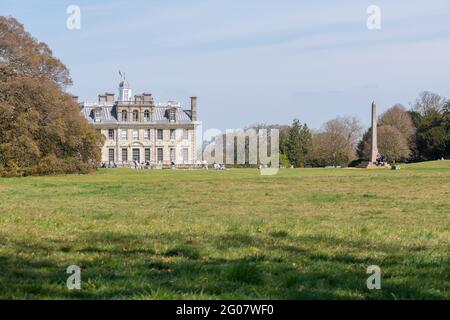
(123, 266)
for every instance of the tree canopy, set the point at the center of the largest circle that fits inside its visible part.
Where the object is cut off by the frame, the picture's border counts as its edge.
(41, 128)
(335, 144)
(431, 118)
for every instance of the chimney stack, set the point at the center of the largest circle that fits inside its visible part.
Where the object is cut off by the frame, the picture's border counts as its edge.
(101, 99)
(109, 97)
(75, 99)
(194, 108)
(147, 97)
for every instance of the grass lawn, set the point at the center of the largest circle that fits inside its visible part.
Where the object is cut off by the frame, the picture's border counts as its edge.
(166, 234)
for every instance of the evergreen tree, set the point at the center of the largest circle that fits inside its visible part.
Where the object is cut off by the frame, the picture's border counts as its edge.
(297, 143)
(433, 130)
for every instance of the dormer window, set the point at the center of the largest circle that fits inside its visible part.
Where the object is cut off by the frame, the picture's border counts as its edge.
(172, 113)
(146, 115)
(135, 115)
(97, 115)
(124, 115)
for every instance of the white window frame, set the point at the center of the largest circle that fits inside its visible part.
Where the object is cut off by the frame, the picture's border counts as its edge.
(124, 153)
(111, 154)
(135, 115)
(147, 115)
(146, 134)
(160, 159)
(157, 134)
(124, 134)
(172, 115)
(134, 152)
(97, 115)
(135, 134)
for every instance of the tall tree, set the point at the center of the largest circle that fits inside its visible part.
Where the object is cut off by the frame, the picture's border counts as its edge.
(430, 116)
(297, 143)
(336, 143)
(399, 118)
(41, 128)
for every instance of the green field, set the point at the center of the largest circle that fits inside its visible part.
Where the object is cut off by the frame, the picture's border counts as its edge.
(167, 234)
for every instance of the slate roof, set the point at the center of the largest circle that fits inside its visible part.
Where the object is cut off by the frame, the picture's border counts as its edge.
(109, 114)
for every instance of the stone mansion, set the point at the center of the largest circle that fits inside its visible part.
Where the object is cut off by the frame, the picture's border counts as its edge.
(138, 130)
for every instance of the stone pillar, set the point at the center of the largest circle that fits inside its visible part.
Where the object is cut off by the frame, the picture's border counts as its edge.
(374, 147)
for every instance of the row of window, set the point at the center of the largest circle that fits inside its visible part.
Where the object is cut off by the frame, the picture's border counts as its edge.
(159, 134)
(135, 115)
(136, 155)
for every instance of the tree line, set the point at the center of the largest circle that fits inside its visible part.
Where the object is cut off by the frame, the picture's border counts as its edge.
(419, 134)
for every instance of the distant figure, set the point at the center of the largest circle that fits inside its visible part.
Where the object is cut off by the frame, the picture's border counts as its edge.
(381, 160)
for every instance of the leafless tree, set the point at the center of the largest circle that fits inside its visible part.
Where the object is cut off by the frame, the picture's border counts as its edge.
(399, 118)
(428, 102)
(393, 144)
(336, 143)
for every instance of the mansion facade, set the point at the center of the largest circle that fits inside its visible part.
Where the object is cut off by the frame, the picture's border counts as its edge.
(140, 131)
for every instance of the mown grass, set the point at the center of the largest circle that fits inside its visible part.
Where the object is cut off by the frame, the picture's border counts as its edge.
(302, 234)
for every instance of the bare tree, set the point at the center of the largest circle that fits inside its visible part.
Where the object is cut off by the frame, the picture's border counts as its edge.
(399, 118)
(348, 127)
(428, 102)
(336, 143)
(393, 144)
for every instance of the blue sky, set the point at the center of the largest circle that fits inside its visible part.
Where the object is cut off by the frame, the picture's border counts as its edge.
(252, 61)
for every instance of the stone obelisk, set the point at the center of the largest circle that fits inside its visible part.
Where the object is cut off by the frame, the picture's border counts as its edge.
(374, 147)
